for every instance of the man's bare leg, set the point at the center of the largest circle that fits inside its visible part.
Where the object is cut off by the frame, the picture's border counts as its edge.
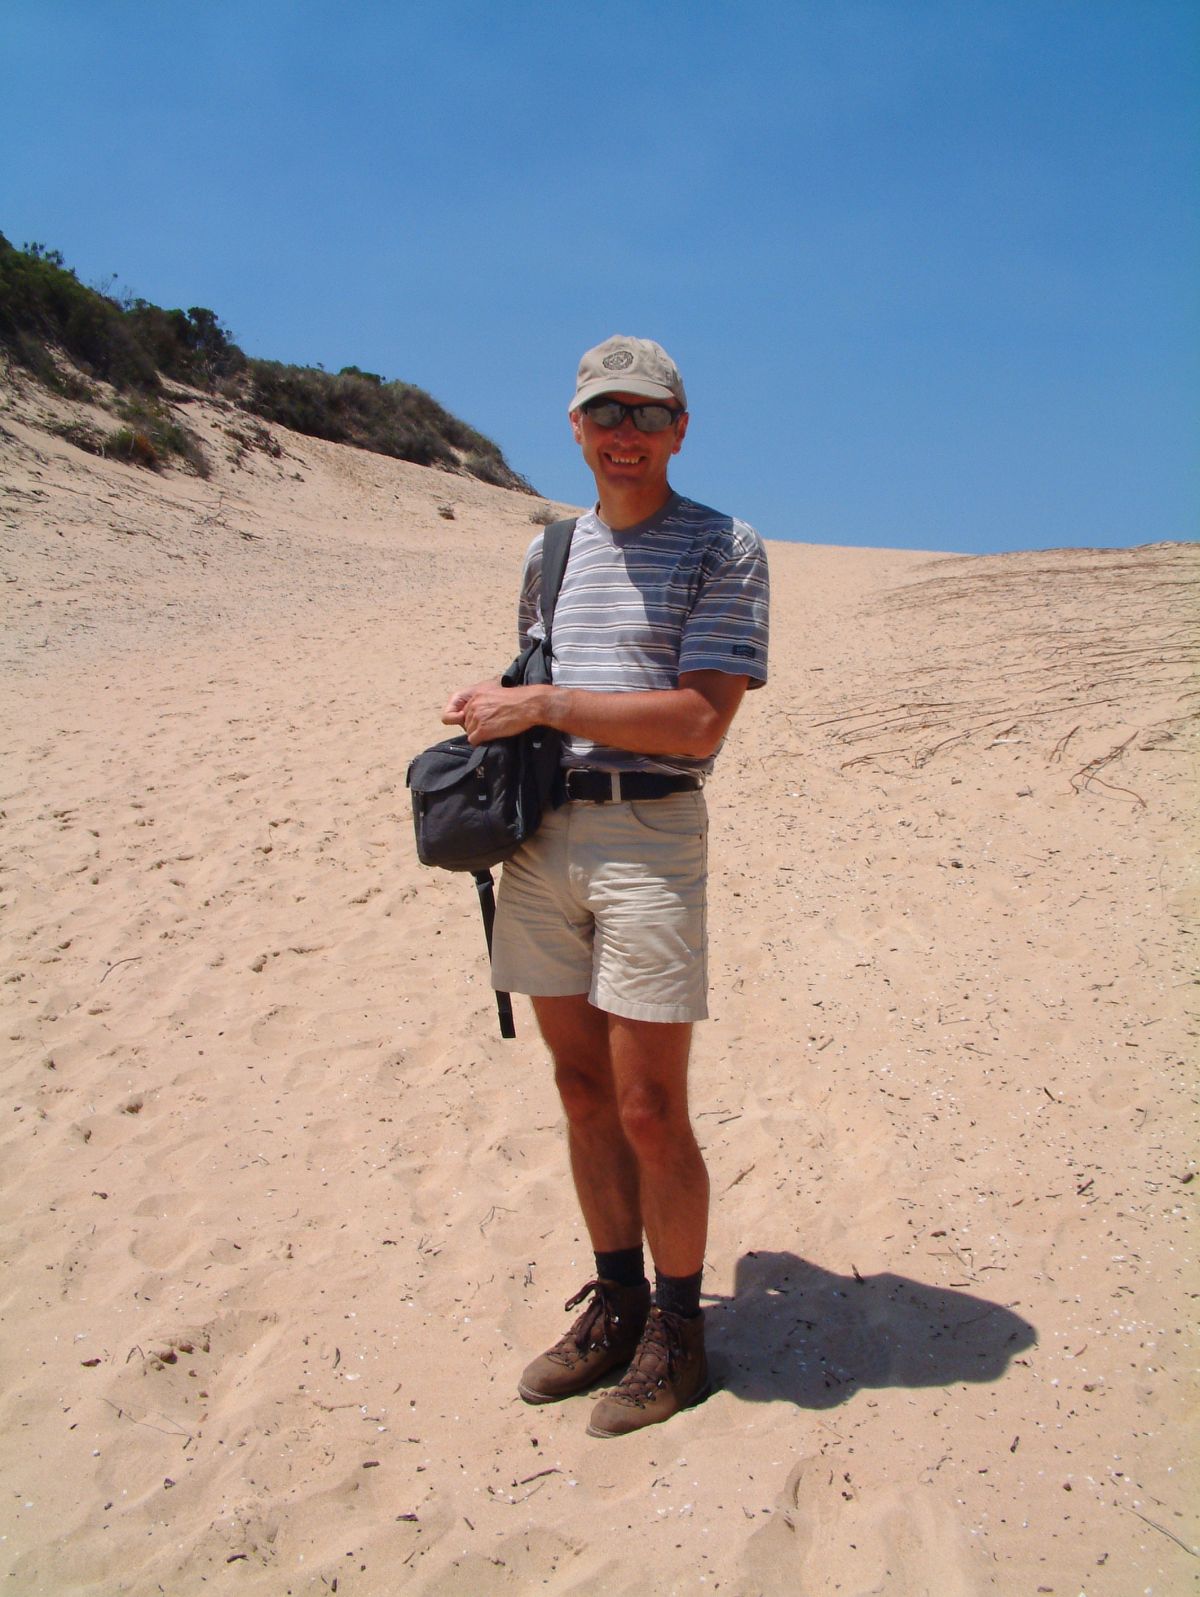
(602, 1162)
(650, 1070)
(634, 1156)
(636, 1164)
(606, 1334)
(668, 1370)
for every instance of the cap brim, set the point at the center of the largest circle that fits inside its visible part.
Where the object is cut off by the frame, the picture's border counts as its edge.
(615, 385)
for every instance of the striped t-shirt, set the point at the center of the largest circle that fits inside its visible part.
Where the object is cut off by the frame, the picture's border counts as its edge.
(684, 591)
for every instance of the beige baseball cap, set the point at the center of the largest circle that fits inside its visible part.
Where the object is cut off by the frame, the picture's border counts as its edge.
(623, 365)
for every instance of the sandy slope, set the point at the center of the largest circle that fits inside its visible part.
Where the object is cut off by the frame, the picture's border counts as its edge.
(282, 1218)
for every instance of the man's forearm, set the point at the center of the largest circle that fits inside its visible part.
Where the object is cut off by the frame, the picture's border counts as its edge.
(689, 720)
(668, 721)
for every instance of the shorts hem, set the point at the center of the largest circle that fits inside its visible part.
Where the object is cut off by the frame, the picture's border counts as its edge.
(532, 989)
(665, 1014)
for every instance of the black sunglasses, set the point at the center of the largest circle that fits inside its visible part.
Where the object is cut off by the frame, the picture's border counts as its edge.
(649, 418)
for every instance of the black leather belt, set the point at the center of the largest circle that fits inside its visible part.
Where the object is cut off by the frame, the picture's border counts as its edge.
(619, 787)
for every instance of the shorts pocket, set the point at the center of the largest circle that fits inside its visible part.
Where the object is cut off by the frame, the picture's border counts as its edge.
(677, 815)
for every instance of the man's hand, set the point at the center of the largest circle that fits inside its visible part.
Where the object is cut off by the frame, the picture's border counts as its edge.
(456, 704)
(488, 711)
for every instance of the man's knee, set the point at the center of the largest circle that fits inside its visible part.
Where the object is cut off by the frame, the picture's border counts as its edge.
(585, 1086)
(653, 1119)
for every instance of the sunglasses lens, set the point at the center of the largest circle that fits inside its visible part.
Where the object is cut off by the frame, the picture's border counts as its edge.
(652, 418)
(646, 418)
(605, 413)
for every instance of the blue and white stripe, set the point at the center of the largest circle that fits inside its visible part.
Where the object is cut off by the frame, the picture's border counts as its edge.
(685, 591)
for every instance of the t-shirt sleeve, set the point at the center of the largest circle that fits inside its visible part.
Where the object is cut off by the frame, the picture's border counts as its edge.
(529, 615)
(727, 628)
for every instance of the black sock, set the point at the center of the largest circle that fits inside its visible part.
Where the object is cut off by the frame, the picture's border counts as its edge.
(625, 1266)
(678, 1294)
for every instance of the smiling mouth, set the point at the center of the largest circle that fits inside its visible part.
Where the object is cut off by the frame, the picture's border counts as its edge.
(626, 460)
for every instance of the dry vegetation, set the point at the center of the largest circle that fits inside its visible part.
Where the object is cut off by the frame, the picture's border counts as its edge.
(1061, 636)
(85, 345)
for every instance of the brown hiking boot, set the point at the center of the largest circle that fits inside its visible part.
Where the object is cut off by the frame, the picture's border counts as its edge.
(602, 1339)
(668, 1372)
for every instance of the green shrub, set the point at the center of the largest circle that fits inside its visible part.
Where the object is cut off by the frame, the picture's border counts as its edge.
(134, 344)
(41, 303)
(155, 435)
(353, 408)
(80, 435)
(188, 346)
(252, 436)
(127, 443)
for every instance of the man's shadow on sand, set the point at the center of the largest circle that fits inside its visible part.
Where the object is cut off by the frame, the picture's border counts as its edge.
(796, 1332)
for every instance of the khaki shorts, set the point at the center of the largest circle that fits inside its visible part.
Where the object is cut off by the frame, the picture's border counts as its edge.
(609, 900)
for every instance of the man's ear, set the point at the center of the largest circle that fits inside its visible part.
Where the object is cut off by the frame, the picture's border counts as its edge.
(681, 427)
(576, 426)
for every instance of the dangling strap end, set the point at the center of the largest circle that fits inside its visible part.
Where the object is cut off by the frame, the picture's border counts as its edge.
(487, 904)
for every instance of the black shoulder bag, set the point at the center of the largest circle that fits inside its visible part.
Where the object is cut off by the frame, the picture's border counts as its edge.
(473, 807)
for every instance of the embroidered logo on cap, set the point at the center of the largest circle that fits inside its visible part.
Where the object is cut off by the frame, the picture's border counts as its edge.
(618, 361)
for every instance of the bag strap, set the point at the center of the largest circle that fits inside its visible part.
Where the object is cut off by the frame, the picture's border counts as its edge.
(556, 547)
(487, 904)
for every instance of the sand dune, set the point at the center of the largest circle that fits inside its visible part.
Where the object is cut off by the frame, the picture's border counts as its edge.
(283, 1218)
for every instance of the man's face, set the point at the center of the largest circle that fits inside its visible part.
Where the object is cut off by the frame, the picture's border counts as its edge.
(622, 455)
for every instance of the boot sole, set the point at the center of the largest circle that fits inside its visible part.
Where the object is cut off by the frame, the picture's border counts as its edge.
(701, 1396)
(603, 1378)
(529, 1396)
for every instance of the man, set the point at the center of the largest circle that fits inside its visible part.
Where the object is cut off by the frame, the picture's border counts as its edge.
(660, 627)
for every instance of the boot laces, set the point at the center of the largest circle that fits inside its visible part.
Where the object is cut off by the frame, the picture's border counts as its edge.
(658, 1357)
(592, 1326)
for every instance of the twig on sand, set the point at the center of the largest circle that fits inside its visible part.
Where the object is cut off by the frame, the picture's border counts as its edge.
(926, 755)
(1060, 747)
(133, 958)
(907, 706)
(1089, 773)
(861, 759)
(496, 1208)
(1154, 1525)
(1113, 788)
(538, 1476)
(504, 1497)
(175, 1430)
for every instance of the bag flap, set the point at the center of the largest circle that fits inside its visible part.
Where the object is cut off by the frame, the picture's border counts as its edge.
(444, 764)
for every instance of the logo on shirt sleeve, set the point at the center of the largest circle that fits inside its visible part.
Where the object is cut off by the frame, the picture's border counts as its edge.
(745, 651)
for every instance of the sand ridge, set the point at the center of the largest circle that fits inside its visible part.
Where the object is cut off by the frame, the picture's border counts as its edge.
(283, 1218)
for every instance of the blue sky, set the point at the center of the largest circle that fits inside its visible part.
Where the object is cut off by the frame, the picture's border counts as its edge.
(929, 267)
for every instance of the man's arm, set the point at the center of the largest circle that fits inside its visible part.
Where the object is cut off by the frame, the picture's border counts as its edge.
(689, 720)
